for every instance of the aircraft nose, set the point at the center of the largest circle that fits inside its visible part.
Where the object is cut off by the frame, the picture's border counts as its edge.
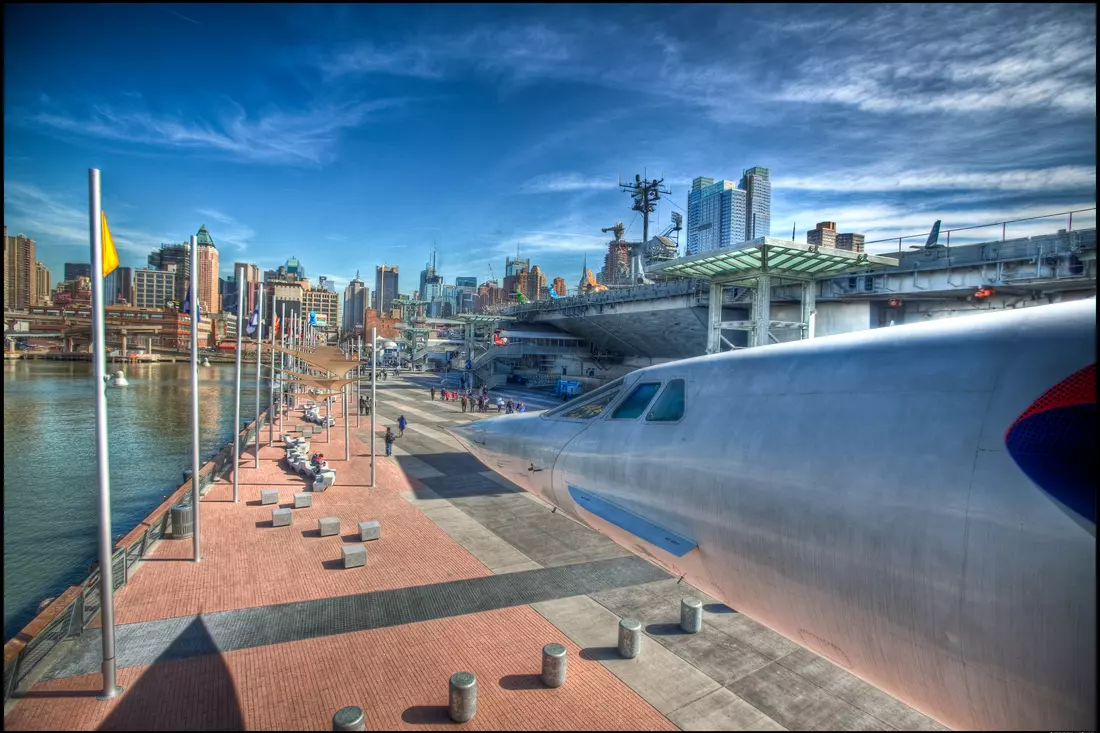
(471, 436)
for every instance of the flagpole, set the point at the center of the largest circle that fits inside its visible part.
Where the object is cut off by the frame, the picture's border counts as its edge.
(259, 358)
(359, 377)
(282, 363)
(271, 398)
(237, 391)
(99, 360)
(373, 402)
(195, 306)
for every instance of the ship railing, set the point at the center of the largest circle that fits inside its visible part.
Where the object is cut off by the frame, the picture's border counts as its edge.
(74, 611)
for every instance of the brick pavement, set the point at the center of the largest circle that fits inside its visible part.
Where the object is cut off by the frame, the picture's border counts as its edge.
(397, 674)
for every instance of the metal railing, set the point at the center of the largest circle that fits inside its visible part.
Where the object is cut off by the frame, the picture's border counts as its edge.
(1002, 224)
(79, 609)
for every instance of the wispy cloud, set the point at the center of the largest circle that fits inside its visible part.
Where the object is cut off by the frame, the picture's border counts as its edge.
(884, 179)
(297, 138)
(228, 230)
(565, 182)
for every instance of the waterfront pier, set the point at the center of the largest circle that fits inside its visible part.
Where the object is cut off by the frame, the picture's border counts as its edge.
(469, 574)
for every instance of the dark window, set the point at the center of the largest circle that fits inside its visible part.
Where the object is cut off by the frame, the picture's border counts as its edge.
(592, 408)
(572, 406)
(670, 405)
(634, 405)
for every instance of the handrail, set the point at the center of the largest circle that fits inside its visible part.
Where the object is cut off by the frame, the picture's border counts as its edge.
(983, 226)
(75, 609)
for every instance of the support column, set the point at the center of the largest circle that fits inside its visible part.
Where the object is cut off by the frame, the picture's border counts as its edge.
(124, 344)
(761, 310)
(714, 319)
(809, 308)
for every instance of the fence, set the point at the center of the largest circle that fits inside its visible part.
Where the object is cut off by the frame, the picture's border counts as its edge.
(72, 612)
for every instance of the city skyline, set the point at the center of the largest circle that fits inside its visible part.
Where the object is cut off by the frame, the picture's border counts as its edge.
(328, 146)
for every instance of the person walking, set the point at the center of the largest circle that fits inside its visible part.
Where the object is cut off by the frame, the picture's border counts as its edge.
(521, 407)
(500, 404)
(401, 423)
(433, 393)
(390, 438)
(464, 403)
(511, 406)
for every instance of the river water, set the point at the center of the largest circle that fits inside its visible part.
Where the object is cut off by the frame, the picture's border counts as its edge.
(50, 488)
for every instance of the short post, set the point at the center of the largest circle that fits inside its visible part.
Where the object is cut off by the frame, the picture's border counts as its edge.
(553, 665)
(463, 696)
(691, 615)
(349, 718)
(630, 638)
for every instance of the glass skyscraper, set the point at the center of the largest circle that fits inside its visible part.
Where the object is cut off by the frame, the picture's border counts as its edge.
(722, 214)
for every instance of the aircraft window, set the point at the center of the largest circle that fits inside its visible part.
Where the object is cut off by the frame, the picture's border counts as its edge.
(592, 408)
(634, 405)
(572, 404)
(670, 405)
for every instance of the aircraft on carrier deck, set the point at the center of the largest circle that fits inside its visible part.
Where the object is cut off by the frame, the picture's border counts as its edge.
(916, 504)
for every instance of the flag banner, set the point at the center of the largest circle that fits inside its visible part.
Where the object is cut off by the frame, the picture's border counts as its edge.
(187, 306)
(254, 321)
(110, 254)
(276, 324)
(312, 318)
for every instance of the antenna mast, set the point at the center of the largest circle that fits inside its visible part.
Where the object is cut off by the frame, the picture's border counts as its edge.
(646, 194)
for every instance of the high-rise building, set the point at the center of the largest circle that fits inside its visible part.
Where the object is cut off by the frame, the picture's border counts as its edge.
(385, 285)
(489, 295)
(757, 184)
(536, 284)
(823, 235)
(323, 283)
(466, 282)
(41, 284)
(356, 302)
(173, 258)
(153, 288)
(20, 287)
(322, 302)
(208, 272)
(513, 266)
(559, 286)
(248, 282)
(721, 214)
(851, 242)
(125, 292)
(616, 263)
(74, 270)
(294, 269)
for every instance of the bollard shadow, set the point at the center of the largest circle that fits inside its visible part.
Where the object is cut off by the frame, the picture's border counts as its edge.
(350, 538)
(311, 533)
(663, 629)
(337, 564)
(265, 523)
(188, 685)
(288, 505)
(257, 502)
(522, 682)
(717, 608)
(428, 715)
(45, 694)
(600, 653)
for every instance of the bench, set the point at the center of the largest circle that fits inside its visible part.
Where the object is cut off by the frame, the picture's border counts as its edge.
(370, 531)
(280, 518)
(330, 526)
(269, 496)
(355, 556)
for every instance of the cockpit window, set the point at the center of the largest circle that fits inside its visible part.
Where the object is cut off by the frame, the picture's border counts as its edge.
(592, 408)
(573, 404)
(670, 405)
(634, 405)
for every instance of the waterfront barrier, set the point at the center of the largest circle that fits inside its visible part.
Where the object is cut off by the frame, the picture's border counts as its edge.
(75, 609)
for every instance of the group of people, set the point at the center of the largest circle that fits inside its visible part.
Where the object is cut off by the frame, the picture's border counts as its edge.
(391, 437)
(479, 402)
(364, 404)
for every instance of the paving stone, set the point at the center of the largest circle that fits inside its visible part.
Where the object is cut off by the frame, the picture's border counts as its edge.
(722, 710)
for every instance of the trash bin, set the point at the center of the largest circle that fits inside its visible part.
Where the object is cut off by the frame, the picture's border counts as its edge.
(183, 523)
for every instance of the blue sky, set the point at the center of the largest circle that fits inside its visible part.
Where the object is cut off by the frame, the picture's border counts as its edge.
(349, 136)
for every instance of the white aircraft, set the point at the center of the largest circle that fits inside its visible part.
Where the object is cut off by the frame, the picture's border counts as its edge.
(917, 504)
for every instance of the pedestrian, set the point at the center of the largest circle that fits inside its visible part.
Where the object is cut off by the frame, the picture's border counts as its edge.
(401, 423)
(500, 404)
(464, 403)
(390, 438)
(521, 407)
(511, 406)
(433, 393)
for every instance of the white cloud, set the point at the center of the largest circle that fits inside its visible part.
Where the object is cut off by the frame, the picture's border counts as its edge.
(297, 138)
(1046, 179)
(230, 231)
(565, 182)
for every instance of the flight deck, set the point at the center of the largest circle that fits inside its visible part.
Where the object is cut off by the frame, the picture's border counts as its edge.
(270, 631)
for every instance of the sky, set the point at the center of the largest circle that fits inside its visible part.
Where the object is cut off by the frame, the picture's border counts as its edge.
(350, 136)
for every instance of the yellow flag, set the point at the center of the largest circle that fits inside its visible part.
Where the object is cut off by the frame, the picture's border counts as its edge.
(110, 255)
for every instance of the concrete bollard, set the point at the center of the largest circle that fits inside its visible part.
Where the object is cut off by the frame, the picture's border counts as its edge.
(630, 638)
(463, 696)
(691, 615)
(553, 665)
(349, 718)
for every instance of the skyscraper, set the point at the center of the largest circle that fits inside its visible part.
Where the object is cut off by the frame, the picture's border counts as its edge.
(247, 285)
(559, 286)
(851, 242)
(513, 266)
(75, 270)
(42, 283)
(385, 285)
(536, 284)
(208, 272)
(20, 286)
(721, 214)
(757, 184)
(356, 301)
(153, 288)
(294, 270)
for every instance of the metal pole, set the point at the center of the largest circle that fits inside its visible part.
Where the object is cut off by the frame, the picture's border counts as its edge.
(282, 364)
(259, 358)
(271, 387)
(373, 387)
(347, 426)
(328, 398)
(359, 376)
(1070, 229)
(99, 360)
(237, 394)
(195, 397)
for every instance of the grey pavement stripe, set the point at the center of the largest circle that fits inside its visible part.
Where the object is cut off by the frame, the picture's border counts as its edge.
(246, 628)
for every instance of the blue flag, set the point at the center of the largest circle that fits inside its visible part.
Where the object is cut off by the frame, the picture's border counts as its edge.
(187, 306)
(254, 321)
